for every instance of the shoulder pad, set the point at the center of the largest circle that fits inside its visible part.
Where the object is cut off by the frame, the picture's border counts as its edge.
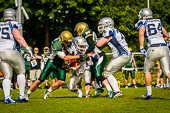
(139, 24)
(15, 24)
(87, 33)
(56, 45)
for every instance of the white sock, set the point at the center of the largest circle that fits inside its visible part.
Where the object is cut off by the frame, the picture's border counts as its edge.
(87, 92)
(96, 86)
(21, 83)
(167, 82)
(113, 83)
(149, 90)
(50, 90)
(108, 88)
(6, 87)
(29, 92)
(28, 82)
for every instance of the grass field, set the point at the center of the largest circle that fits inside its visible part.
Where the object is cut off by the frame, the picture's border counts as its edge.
(64, 101)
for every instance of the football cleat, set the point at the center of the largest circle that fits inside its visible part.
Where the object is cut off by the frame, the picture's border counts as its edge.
(23, 98)
(46, 94)
(80, 94)
(98, 92)
(89, 94)
(126, 87)
(117, 94)
(146, 96)
(8, 100)
(135, 87)
(111, 94)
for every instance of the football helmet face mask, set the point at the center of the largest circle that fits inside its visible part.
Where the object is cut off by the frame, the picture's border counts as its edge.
(66, 38)
(81, 27)
(80, 43)
(104, 23)
(9, 14)
(145, 14)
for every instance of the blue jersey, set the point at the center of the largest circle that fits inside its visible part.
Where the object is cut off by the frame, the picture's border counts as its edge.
(7, 40)
(153, 31)
(117, 44)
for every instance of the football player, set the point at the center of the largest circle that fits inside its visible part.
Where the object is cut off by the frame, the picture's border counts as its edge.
(60, 47)
(10, 58)
(115, 40)
(79, 46)
(154, 33)
(99, 62)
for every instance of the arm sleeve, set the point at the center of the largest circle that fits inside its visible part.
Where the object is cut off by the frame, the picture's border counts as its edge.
(91, 44)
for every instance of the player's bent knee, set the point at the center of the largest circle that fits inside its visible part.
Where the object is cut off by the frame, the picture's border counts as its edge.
(107, 73)
(100, 78)
(70, 87)
(60, 82)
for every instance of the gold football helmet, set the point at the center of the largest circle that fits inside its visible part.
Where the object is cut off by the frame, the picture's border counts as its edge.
(81, 27)
(66, 38)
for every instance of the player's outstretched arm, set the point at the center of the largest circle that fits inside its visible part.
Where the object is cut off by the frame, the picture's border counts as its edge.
(21, 41)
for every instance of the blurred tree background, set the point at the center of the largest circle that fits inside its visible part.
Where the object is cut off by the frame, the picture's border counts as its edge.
(48, 18)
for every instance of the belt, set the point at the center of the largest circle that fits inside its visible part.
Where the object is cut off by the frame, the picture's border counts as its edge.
(157, 45)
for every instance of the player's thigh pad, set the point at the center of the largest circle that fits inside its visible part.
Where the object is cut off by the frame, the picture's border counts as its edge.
(115, 64)
(73, 81)
(15, 60)
(153, 55)
(87, 76)
(6, 70)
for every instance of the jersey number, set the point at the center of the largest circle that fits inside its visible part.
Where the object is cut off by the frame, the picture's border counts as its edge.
(5, 32)
(152, 30)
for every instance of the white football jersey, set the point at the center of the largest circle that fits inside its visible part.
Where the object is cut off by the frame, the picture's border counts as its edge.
(117, 44)
(153, 31)
(7, 40)
(83, 65)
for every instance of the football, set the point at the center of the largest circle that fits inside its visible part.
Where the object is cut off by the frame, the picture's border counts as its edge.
(73, 63)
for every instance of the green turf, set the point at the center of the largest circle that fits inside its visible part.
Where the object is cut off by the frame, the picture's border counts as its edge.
(64, 101)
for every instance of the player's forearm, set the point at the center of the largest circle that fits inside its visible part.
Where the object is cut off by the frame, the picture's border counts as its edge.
(102, 42)
(70, 57)
(91, 44)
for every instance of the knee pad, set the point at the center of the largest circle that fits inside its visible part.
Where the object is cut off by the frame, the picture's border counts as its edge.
(70, 87)
(100, 78)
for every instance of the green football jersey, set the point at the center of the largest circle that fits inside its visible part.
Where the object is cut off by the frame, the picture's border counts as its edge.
(88, 33)
(56, 45)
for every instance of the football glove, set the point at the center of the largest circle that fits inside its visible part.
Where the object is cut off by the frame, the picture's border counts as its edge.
(29, 52)
(83, 57)
(143, 51)
(136, 69)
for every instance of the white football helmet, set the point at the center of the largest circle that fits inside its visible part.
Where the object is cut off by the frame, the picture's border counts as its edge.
(144, 14)
(80, 43)
(104, 23)
(9, 14)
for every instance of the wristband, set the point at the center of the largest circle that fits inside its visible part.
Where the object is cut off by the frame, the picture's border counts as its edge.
(74, 68)
(27, 48)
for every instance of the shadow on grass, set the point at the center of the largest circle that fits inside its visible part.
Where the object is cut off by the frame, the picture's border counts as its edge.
(153, 98)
